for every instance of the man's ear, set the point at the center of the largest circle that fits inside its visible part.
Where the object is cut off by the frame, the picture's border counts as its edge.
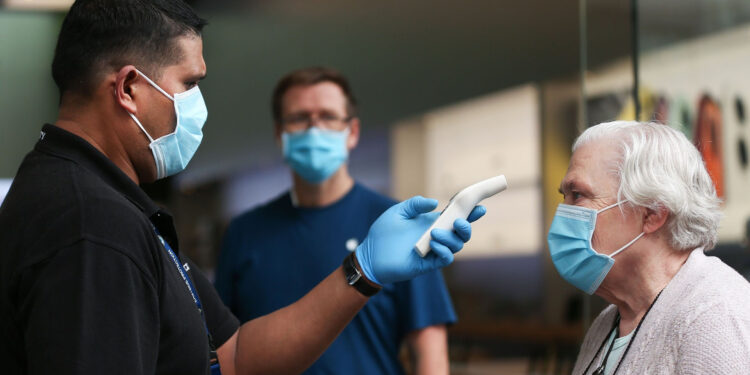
(353, 139)
(654, 219)
(277, 133)
(127, 84)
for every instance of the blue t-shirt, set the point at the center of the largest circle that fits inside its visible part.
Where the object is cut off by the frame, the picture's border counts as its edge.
(274, 254)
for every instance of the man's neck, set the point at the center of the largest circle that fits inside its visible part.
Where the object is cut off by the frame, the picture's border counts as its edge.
(634, 293)
(74, 121)
(325, 193)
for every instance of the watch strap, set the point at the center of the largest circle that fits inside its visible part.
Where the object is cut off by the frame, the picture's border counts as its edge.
(356, 278)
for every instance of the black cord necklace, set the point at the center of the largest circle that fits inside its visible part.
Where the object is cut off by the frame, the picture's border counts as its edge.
(600, 369)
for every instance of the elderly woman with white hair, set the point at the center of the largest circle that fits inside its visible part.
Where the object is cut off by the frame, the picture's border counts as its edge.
(640, 211)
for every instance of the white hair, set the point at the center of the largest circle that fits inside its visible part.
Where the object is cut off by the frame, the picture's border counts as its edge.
(660, 168)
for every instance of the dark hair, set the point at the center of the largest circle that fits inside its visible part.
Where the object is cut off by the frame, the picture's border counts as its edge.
(103, 35)
(307, 77)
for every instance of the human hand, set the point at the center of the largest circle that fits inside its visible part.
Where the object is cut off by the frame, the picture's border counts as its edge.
(387, 254)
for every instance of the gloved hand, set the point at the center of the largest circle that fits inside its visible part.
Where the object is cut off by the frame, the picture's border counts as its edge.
(387, 254)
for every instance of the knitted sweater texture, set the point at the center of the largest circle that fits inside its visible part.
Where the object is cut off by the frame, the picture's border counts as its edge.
(699, 325)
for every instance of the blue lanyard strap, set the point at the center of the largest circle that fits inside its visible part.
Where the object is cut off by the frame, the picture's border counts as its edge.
(192, 290)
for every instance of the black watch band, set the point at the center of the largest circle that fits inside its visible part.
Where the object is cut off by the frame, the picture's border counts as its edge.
(355, 278)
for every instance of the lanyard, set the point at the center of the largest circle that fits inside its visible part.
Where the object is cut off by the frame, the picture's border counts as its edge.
(214, 361)
(602, 366)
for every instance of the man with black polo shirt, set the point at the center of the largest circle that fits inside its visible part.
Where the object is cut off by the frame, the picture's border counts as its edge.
(91, 277)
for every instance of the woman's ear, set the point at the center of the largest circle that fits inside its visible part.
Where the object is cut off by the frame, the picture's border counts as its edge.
(654, 219)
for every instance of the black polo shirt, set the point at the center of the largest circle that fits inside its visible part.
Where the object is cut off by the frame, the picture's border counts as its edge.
(86, 286)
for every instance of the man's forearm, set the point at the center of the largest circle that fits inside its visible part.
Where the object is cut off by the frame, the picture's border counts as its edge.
(289, 340)
(429, 347)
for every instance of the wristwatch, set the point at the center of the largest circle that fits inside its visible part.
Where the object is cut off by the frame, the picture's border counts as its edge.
(355, 278)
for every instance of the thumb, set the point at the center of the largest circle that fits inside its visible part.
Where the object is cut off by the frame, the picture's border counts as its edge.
(414, 206)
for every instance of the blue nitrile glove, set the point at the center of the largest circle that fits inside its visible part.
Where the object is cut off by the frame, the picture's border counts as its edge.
(387, 254)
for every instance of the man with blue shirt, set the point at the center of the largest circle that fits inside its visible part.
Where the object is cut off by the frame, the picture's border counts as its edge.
(318, 222)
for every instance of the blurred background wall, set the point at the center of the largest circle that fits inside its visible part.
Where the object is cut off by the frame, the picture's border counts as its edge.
(498, 86)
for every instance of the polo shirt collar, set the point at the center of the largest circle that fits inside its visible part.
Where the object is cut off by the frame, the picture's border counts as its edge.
(61, 143)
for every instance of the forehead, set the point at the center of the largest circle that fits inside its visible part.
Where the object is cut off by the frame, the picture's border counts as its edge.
(320, 96)
(594, 166)
(191, 61)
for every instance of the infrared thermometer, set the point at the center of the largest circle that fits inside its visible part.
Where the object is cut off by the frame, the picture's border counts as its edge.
(460, 206)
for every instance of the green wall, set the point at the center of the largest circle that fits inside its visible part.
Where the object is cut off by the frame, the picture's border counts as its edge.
(28, 96)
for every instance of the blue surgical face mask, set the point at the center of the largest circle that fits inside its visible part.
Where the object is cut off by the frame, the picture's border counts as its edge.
(173, 151)
(315, 154)
(569, 241)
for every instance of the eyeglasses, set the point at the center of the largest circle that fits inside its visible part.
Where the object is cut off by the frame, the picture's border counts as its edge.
(302, 122)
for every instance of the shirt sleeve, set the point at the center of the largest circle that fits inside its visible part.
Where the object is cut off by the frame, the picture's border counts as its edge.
(424, 301)
(89, 310)
(221, 323)
(223, 282)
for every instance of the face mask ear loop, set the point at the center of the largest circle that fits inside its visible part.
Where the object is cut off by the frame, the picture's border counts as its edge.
(155, 85)
(610, 206)
(627, 244)
(141, 126)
